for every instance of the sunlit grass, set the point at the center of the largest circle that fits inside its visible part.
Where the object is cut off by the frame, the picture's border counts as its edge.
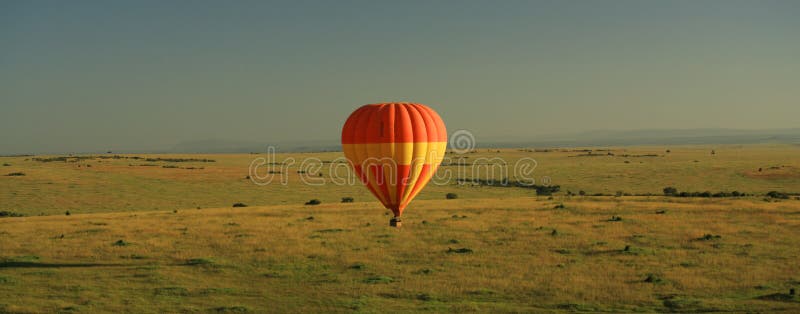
(346, 258)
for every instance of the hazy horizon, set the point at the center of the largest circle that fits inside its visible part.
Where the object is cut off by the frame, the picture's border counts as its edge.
(92, 76)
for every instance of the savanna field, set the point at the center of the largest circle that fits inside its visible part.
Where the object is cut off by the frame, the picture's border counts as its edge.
(148, 233)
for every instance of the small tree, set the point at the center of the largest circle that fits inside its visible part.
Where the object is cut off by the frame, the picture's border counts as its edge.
(451, 196)
(347, 199)
(670, 191)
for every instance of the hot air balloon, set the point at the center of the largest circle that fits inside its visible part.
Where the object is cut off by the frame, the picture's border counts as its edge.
(394, 148)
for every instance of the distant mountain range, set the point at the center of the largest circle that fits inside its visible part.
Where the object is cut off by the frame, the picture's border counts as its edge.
(589, 138)
(653, 137)
(582, 139)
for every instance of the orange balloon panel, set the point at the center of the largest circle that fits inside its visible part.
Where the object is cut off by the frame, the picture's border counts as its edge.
(395, 149)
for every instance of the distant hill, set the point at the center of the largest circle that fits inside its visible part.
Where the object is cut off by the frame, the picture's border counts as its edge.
(651, 137)
(589, 138)
(580, 139)
(230, 146)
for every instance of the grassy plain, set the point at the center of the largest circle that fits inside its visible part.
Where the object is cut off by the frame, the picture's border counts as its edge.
(136, 241)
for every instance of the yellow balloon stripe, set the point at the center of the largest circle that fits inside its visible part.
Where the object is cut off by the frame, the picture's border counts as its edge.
(403, 153)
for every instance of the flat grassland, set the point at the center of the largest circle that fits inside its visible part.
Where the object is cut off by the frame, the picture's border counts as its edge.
(160, 235)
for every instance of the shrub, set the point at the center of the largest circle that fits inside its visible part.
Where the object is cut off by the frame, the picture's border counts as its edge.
(10, 214)
(619, 194)
(670, 191)
(239, 205)
(6, 165)
(179, 160)
(15, 174)
(121, 243)
(653, 278)
(451, 196)
(231, 309)
(559, 206)
(67, 213)
(198, 261)
(378, 279)
(347, 199)
(314, 202)
(582, 193)
(358, 266)
(778, 195)
(459, 251)
(546, 189)
(708, 237)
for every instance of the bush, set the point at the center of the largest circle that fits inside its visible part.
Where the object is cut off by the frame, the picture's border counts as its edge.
(15, 174)
(546, 189)
(670, 191)
(459, 251)
(708, 237)
(653, 278)
(582, 193)
(451, 196)
(6, 165)
(347, 199)
(198, 261)
(314, 202)
(378, 279)
(239, 205)
(67, 213)
(10, 214)
(120, 243)
(778, 195)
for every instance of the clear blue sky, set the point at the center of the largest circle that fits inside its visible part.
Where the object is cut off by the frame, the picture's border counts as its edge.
(94, 75)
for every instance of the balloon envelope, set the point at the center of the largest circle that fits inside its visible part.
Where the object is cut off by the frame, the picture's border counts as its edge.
(394, 148)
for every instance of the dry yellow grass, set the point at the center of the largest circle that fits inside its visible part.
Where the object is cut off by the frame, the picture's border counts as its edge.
(345, 258)
(128, 185)
(494, 249)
